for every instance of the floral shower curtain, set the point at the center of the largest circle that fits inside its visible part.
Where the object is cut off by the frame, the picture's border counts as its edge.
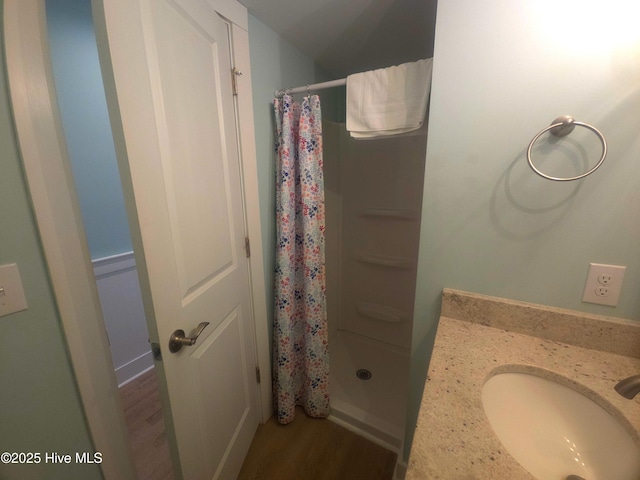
(301, 353)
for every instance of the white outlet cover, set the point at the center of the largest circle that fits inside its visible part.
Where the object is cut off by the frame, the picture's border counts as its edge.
(12, 297)
(593, 286)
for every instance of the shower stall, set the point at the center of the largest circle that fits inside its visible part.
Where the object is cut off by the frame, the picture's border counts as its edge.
(373, 196)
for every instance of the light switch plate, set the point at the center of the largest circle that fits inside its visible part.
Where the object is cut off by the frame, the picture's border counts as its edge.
(12, 297)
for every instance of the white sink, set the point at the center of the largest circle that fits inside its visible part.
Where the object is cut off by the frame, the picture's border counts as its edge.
(554, 432)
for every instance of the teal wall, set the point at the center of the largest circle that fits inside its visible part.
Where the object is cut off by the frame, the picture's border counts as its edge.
(40, 409)
(492, 226)
(276, 64)
(85, 119)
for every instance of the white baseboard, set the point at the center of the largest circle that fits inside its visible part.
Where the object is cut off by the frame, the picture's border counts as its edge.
(134, 369)
(124, 318)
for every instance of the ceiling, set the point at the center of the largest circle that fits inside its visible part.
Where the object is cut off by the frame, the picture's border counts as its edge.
(349, 36)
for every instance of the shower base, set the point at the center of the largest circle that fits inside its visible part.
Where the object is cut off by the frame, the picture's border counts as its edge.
(374, 408)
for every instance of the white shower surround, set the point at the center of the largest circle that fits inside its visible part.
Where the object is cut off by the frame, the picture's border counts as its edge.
(373, 194)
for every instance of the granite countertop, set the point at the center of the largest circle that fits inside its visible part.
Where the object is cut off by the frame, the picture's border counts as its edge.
(479, 336)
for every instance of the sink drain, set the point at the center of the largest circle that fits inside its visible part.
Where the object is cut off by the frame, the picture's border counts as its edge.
(364, 374)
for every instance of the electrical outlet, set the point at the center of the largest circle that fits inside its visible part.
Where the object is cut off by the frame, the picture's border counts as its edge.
(604, 283)
(605, 279)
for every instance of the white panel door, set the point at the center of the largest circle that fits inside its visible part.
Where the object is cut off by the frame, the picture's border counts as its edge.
(177, 148)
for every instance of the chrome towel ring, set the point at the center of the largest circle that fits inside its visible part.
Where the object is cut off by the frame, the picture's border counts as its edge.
(561, 127)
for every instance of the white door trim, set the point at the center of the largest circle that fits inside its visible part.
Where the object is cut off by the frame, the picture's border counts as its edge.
(59, 222)
(246, 132)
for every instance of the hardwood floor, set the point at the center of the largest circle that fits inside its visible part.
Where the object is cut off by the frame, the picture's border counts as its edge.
(306, 449)
(314, 449)
(143, 414)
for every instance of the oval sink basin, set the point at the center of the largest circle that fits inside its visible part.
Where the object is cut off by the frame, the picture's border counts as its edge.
(555, 432)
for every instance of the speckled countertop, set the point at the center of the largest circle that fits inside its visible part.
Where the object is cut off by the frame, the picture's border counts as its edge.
(479, 336)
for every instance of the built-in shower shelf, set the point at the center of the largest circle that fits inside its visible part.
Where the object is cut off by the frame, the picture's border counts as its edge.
(385, 260)
(397, 213)
(384, 313)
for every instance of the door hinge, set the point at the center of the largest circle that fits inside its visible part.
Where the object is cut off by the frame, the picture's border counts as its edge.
(258, 374)
(247, 246)
(235, 73)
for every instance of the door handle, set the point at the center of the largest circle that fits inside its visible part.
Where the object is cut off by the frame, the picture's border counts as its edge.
(178, 340)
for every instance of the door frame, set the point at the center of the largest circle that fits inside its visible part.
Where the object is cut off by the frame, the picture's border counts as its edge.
(50, 183)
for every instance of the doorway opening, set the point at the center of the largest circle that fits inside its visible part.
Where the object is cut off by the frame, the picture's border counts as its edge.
(85, 119)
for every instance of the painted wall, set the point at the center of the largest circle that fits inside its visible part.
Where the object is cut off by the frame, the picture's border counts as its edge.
(276, 64)
(503, 70)
(124, 319)
(87, 130)
(86, 124)
(41, 410)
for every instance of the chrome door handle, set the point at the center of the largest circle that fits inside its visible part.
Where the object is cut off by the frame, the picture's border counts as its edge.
(178, 340)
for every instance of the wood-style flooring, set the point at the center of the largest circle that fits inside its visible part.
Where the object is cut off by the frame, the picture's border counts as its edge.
(145, 422)
(306, 449)
(314, 449)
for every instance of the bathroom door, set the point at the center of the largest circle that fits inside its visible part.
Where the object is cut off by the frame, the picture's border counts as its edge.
(171, 103)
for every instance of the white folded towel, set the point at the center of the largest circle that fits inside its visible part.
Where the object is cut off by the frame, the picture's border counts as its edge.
(388, 101)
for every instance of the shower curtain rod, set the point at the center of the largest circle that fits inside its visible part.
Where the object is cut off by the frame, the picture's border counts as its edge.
(315, 86)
